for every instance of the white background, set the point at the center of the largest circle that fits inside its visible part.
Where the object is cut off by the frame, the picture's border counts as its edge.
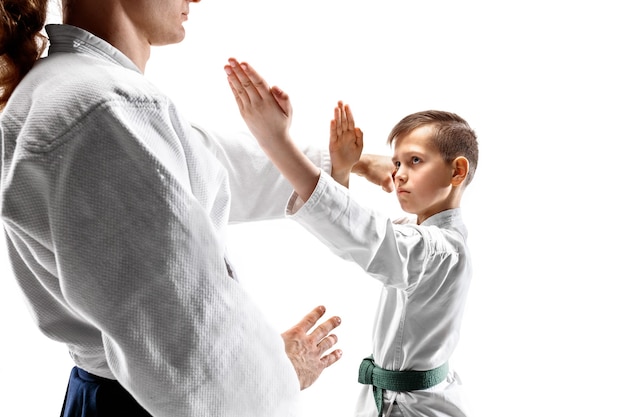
(543, 85)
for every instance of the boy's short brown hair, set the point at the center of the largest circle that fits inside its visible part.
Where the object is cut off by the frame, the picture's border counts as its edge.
(452, 136)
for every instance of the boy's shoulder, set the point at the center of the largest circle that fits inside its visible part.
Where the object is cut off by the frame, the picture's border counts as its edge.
(405, 220)
(446, 226)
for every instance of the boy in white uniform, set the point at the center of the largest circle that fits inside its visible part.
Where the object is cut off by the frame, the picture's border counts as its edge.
(425, 267)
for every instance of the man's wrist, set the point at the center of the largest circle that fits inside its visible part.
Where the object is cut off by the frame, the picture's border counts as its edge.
(360, 168)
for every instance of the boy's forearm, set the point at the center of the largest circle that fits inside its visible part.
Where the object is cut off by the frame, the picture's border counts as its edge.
(295, 167)
(341, 176)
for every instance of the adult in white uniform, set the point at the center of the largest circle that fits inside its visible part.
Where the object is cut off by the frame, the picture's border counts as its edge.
(425, 267)
(115, 211)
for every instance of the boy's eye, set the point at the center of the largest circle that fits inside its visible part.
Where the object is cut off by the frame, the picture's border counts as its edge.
(397, 164)
(415, 160)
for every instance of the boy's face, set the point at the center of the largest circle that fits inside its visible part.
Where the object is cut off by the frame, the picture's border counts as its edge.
(422, 178)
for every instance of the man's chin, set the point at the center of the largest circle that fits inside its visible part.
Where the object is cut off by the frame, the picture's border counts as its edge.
(170, 40)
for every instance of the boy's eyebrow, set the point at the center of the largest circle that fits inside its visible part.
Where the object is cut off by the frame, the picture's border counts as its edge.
(411, 151)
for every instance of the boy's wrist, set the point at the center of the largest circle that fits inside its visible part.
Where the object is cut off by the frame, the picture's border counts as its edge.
(341, 176)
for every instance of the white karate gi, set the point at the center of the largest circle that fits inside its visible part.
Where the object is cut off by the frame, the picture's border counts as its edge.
(426, 273)
(115, 209)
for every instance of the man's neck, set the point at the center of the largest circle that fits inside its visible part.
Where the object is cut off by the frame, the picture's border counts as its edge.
(116, 29)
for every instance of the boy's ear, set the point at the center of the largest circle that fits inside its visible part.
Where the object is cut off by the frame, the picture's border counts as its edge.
(461, 168)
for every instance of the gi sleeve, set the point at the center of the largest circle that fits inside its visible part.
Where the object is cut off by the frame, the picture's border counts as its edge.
(258, 190)
(397, 255)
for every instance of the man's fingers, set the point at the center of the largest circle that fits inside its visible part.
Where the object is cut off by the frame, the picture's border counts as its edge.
(325, 328)
(327, 342)
(387, 184)
(331, 358)
(310, 319)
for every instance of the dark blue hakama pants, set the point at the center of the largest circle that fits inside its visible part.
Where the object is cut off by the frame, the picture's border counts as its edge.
(89, 395)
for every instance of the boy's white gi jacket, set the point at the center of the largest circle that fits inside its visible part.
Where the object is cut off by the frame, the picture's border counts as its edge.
(425, 271)
(115, 209)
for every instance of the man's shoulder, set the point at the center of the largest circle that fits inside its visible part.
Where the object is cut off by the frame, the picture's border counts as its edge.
(65, 94)
(89, 81)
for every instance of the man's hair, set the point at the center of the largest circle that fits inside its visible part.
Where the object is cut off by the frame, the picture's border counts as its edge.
(452, 136)
(21, 41)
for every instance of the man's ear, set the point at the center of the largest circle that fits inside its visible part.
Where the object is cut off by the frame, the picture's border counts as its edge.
(461, 168)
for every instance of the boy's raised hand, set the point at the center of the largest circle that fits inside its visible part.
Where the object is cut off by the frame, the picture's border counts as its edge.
(266, 110)
(345, 145)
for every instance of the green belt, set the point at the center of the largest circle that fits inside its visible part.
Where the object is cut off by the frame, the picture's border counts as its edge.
(383, 379)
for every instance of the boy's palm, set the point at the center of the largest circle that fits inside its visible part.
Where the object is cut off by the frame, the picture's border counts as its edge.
(346, 140)
(345, 148)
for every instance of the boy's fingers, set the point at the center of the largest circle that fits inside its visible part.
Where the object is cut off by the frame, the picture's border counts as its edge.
(344, 120)
(258, 83)
(236, 94)
(349, 117)
(235, 85)
(338, 128)
(247, 82)
(359, 137)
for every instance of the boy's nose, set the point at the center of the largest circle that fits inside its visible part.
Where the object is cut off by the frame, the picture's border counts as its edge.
(399, 177)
